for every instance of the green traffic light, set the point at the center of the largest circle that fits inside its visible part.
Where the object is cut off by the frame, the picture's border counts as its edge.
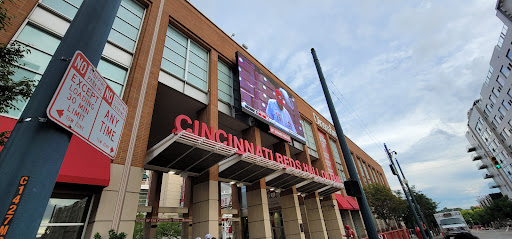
(498, 166)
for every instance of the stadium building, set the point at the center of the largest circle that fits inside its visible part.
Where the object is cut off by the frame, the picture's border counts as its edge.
(212, 138)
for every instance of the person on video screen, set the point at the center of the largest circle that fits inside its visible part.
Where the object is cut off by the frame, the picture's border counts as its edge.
(277, 112)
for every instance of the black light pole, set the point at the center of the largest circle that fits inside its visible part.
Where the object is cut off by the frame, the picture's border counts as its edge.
(32, 157)
(393, 170)
(414, 200)
(363, 203)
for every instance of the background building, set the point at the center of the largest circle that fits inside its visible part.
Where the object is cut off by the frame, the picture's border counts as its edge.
(167, 60)
(489, 121)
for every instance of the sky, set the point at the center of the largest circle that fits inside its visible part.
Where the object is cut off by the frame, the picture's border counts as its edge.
(403, 73)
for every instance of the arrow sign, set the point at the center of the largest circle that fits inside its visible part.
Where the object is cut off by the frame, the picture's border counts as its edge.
(60, 113)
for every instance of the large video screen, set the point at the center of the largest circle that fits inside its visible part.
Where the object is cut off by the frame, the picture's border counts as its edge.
(268, 101)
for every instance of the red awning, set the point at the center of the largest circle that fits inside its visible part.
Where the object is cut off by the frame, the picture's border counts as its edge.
(353, 202)
(82, 164)
(342, 202)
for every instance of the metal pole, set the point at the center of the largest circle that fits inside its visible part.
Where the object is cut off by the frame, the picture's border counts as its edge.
(352, 171)
(405, 192)
(37, 146)
(414, 200)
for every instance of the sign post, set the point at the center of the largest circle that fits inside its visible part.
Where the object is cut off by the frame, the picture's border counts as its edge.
(37, 146)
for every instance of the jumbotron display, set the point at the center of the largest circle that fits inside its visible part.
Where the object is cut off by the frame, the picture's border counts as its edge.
(268, 101)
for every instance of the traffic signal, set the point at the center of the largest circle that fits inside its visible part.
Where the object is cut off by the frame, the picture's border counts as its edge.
(495, 162)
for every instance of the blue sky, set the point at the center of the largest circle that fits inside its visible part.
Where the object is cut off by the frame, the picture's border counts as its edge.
(409, 69)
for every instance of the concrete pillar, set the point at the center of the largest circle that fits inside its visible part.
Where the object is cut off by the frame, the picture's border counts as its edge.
(332, 218)
(104, 203)
(347, 219)
(153, 201)
(186, 229)
(258, 213)
(358, 219)
(235, 202)
(292, 217)
(316, 222)
(304, 215)
(205, 204)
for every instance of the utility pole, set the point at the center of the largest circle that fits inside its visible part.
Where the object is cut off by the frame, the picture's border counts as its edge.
(33, 155)
(414, 200)
(352, 171)
(393, 170)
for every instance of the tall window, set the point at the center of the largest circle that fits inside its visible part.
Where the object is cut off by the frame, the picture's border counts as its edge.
(43, 41)
(337, 158)
(185, 59)
(225, 76)
(489, 74)
(500, 81)
(308, 134)
(361, 169)
(502, 35)
(505, 71)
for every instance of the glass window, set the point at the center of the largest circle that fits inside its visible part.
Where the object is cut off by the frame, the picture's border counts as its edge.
(505, 71)
(337, 158)
(182, 55)
(143, 197)
(500, 81)
(127, 23)
(489, 74)
(489, 107)
(64, 218)
(225, 76)
(502, 111)
(496, 91)
(492, 98)
(507, 104)
(66, 8)
(478, 128)
(308, 135)
(42, 45)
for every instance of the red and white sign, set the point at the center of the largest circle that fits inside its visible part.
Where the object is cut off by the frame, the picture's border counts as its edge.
(280, 134)
(86, 105)
(326, 152)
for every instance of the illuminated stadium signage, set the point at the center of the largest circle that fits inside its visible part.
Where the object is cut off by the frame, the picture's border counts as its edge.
(183, 122)
(267, 100)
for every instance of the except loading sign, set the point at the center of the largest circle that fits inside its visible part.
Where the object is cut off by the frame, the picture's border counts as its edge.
(86, 105)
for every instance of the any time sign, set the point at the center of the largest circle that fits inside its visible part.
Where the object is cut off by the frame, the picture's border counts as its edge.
(86, 105)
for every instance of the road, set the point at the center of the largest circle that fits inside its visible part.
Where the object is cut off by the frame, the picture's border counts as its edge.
(493, 234)
(487, 234)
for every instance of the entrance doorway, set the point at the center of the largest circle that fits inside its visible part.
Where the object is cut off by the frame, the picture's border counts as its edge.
(276, 223)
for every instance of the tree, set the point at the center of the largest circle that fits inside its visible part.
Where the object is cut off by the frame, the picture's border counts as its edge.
(168, 230)
(427, 206)
(11, 90)
(386, 205)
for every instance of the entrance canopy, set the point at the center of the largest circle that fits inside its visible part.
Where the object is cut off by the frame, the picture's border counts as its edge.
(185, 152)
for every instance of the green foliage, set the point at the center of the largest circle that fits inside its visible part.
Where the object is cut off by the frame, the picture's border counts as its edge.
(5, 20)
(138, 230)
(11, 91)
(428, 208)
(168, 229)
(386, 205)
(111, 235)
(163, 230)
(498, 210)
